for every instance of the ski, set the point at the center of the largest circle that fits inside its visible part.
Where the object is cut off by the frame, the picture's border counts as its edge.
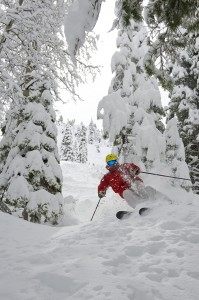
(124, 214)
(144, 211)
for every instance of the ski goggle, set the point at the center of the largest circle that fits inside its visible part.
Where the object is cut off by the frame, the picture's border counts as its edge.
(112, 162)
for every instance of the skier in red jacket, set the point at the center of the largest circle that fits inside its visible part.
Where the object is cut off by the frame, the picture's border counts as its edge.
(124, 180)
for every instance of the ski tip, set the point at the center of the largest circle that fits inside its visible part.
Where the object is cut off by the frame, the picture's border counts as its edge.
(122, 213)
(119, 215)
(143, 210)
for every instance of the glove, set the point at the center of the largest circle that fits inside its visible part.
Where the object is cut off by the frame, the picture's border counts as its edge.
(135, 171)
(101, 194)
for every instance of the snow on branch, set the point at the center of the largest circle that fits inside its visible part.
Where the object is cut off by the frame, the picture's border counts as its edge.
(80, 19)
(115, 114)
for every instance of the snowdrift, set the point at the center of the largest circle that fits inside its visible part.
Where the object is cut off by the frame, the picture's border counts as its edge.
(154, 257)
(142, 258)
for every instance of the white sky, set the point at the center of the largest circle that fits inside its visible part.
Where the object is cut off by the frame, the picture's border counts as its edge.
(93, 92)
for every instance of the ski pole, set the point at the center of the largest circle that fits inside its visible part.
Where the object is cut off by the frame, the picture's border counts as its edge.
(95, 209)
(166, 176)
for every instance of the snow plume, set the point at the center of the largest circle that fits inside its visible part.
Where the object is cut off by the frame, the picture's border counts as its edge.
(80, 19)
(115, 114)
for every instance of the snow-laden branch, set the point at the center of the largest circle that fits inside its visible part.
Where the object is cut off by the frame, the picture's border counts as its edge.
(115, 111)
(80, 19)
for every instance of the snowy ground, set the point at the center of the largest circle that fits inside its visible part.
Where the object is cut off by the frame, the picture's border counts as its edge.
(154, 257)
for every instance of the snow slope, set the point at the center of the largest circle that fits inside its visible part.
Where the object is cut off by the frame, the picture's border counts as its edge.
(154, 257)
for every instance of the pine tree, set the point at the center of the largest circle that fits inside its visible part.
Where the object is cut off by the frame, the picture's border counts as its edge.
(76, 151)
(137, 92)
(60, 120)
(83, 152)
(94, 134)
(165, 20)
(175, 155)
(34, 61)
(67, 144)
(171, 13)
(8, 131)
(184, 104)
(91, 132)
(98, 136)
(31, 175)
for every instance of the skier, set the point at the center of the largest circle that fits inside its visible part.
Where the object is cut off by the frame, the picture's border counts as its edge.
(124, 180)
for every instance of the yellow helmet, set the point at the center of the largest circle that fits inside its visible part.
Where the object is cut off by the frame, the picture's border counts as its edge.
(110, 157)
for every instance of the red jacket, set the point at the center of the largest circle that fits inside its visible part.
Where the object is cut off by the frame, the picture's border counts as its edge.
(119, 178)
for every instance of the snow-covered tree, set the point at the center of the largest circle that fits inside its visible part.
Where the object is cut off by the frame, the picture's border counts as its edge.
(91, 132)
(31, 175)
(83, 152)
(134, 98)
(184, 105)
(76, 151)
(175, 155)
(34, 61)
(8, 131)
(67, 152)
(78, 132)
(165, 20)
(60, 120)
(98, 136)
(2, 114)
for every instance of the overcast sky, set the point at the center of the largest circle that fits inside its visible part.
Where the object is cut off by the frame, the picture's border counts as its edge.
(94, 92)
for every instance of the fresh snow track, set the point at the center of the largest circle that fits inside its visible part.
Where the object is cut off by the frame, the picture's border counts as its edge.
(149, 258)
